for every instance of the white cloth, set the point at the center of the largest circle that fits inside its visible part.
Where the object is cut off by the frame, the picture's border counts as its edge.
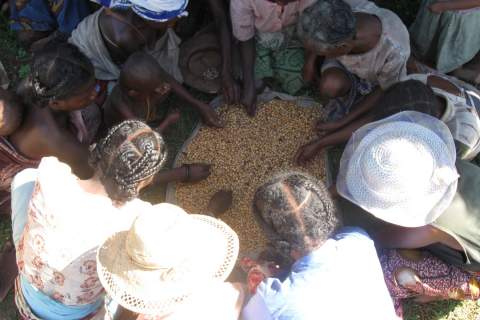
(462, 119)
(88, 38)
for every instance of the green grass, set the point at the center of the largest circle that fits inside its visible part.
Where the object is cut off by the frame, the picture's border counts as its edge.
(16, 60)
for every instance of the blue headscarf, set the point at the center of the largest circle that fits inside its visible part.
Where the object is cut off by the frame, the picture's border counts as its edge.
(153, 10)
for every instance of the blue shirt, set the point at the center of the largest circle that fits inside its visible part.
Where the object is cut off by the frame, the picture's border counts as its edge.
(340, 280)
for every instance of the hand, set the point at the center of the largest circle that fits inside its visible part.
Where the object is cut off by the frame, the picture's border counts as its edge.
(328, 126)
(210, 117)
(249, 99)
(231, 90)
(306, 153)
(220, 202)
(438, 7)
(196, 172)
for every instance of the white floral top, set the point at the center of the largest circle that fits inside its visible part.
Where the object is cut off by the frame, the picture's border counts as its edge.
(65, 226)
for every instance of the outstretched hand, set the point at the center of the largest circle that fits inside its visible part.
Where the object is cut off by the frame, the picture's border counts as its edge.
(249, 100)
(196, 172)
(210, 117)
(306, 153)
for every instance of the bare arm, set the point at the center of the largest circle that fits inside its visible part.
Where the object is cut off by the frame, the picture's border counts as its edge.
(453, 5)
(310, 66)
(247, 50)
(441, 83)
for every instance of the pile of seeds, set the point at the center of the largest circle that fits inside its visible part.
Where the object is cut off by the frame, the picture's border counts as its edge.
(246, 153)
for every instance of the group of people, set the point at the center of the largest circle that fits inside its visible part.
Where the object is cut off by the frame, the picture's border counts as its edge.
(81, 137)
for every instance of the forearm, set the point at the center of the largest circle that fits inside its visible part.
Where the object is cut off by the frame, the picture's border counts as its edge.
(221, 21)
(461, 4)
(310, 66)
(364, 106)
(170, 175)
(343, 135)
(247, 50)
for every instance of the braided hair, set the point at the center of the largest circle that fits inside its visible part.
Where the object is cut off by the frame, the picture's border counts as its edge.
(327, 23)
(295, 212)
(130, 153)
(59, 71)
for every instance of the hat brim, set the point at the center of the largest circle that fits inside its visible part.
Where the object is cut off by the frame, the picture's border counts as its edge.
(214, 252)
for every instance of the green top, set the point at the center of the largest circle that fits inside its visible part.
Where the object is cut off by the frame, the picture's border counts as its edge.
(461, 220)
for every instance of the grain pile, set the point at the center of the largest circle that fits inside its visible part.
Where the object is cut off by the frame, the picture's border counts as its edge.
(246, 153)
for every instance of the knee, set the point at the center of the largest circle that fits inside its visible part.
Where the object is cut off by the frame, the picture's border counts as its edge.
(334, 83)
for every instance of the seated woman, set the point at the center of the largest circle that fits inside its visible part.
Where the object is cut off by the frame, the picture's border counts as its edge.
(33, 20)
(110, 35)
(57, 237)
(171, 265)
(440, 29)
(268, 45)
(431, 94)
(403, 171)
(301, 222)
(366, 50)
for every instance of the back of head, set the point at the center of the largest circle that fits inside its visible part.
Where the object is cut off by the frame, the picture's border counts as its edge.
(139, 68)
(128, 156)
(296, 213)
(410, 95)
(11, 112)
(327, 23)
(58, 71)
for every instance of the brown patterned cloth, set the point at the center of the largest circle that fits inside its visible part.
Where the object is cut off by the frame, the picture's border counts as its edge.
(412, 273)
(11, 162)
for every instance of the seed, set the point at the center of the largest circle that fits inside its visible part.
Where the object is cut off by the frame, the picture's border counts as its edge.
(244, 154)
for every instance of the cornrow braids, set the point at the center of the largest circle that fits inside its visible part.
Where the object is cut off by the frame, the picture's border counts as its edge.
(295, 212)
(130, 153)
(57, 72)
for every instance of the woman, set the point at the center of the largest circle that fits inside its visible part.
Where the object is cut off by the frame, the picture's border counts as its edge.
(109, 36)
(441, 27)
(403, 171)
(171, 265)
(59, 220)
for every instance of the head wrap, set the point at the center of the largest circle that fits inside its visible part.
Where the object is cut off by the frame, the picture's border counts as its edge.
(153, 10)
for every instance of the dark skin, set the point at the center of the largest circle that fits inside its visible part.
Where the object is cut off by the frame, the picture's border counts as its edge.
(247, 50)
(231, 90)
(127, 40)
(340, 131)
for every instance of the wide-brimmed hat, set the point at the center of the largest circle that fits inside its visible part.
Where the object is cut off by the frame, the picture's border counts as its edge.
(400, 169)
(200, 62)
(166, 256)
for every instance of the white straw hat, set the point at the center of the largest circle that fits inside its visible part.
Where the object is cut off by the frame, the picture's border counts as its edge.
(400, 169)
(165, 257)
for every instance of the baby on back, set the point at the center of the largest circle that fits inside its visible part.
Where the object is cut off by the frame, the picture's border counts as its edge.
(141, 89)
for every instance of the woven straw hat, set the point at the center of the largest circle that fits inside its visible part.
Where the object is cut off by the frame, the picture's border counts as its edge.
(165, 257)
(400, 169)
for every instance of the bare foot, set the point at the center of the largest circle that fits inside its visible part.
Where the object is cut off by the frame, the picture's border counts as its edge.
(8, 261)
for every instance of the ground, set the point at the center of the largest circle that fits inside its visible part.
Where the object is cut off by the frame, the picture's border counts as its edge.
(15, 60)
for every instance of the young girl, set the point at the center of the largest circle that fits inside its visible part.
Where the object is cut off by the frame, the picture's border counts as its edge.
(431, 94)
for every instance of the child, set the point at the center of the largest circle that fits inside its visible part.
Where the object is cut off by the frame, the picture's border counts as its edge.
(268, 45)
(140, 91)
(430, 94)
(302, 223)
(440, 29)
(366, 50)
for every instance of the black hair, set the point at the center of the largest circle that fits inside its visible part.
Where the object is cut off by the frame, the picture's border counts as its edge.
(327, 23)
(11, 112)
(410, 95)
(140, 65)
(130, 153)
(57, 72)
(295, 212)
